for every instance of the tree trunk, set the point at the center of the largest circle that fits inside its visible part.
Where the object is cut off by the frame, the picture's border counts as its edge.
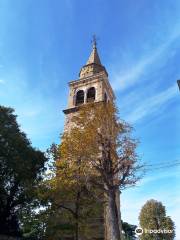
(77, 228)
(118, 204)
(111, 218)
(77, 216)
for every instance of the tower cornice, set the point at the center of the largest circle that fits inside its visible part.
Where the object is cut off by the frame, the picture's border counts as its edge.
(97, 75)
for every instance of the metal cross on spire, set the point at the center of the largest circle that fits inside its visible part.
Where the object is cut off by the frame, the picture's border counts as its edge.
(94, 40)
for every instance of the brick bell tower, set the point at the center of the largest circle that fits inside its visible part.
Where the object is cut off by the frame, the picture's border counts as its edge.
(91, 86)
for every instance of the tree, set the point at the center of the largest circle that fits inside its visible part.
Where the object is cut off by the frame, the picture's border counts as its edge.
(103, 145)
(129, 231)
(34, 223)
(21, 167)
(71, 203)
(153, 217)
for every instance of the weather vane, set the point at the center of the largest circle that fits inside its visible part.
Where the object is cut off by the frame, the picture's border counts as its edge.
(94, 40)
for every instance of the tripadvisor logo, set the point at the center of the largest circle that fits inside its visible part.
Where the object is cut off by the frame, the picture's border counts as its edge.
(139, 231)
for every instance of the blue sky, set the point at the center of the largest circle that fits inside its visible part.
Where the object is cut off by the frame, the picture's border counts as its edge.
(43, 45)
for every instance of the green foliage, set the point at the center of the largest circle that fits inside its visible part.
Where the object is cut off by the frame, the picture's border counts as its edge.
(33, 224)
(102, 146)
(71, 201)
(84, 168)
(153, 217)
(129, 230)
(21, 168)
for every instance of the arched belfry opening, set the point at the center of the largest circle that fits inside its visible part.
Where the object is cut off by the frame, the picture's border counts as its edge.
(79, 97)
(91, 94)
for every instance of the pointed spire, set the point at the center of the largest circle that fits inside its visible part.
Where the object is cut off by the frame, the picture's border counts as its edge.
(93, 64)
(94, 57)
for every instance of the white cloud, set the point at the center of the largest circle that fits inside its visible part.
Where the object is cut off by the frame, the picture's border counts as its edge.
(33, 112)
(157, 177)
(133, 73)
(152, 104)
(2, 81)
(38, 114)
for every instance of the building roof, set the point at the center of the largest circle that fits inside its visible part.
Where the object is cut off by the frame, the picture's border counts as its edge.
(93, 64)
(94, 56)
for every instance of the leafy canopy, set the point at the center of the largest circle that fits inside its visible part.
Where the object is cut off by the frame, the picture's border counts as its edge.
(21, 167)
(153, 217)
(103, 144)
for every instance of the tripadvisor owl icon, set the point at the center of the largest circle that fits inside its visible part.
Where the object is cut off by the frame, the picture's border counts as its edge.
(139, 231)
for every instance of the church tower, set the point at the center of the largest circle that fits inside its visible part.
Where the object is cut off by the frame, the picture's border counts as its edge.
(92, 86)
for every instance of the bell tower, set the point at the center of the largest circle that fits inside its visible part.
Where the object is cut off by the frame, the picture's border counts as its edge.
(91, 86)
